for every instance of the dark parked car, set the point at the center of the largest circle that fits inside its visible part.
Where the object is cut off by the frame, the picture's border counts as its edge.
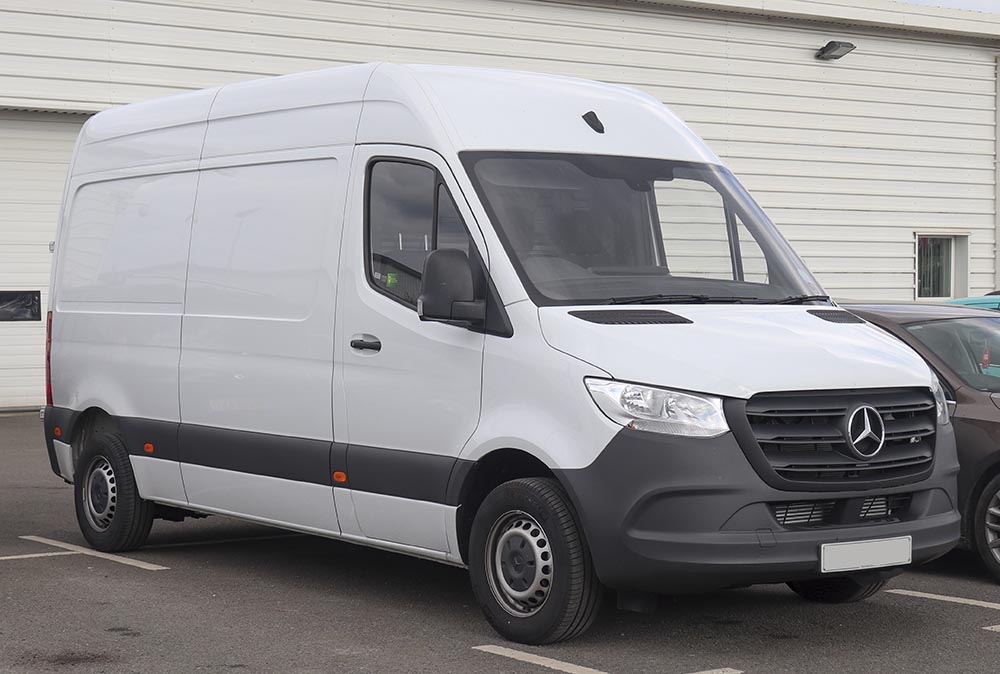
(962, 345)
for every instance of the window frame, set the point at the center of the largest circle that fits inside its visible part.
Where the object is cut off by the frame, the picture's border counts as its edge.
(952, 267)
(439, 182)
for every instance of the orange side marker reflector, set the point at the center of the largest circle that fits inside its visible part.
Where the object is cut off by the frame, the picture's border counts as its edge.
(148, 448)
(57, 432)
(339, 476)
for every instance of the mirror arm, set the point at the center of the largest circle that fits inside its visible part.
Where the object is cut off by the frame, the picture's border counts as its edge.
(472, 312)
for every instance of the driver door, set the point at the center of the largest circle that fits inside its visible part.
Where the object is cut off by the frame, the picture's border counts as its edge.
(409, 390)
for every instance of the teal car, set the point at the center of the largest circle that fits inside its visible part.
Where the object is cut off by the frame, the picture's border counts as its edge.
(991, 301)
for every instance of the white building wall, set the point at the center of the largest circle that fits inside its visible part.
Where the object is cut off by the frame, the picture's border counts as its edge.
(34, 151)
(850, 158)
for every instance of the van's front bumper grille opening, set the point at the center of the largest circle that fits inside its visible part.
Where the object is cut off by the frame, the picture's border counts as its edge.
(885, 507)
(842, 512)
(804, 436)
(804, 513)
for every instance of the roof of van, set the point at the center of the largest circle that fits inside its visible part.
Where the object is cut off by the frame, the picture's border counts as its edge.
(448, 109)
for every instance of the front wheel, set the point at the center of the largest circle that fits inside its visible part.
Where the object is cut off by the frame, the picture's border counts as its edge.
(109, 510)
(529, 565)
(986, 526)
(836, 590)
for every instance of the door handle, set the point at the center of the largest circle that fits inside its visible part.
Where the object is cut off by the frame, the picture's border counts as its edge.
(366, 344)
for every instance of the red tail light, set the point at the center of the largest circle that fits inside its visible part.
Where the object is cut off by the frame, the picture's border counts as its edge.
(48, 359)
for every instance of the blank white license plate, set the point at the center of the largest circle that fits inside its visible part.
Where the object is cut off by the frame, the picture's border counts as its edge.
(857, 555)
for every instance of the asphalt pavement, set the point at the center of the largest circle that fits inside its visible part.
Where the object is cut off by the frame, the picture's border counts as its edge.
(219, 595)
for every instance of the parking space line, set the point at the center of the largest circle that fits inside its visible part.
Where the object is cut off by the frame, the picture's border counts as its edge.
(952, 600)
(94, 553)
(724, 670)
(33, 555)
(539, 660)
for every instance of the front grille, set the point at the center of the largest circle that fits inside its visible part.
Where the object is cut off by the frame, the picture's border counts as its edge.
(804, 513)
(803, 437)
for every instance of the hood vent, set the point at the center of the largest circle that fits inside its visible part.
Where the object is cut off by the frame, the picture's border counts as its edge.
(627, 317)
(835, 316)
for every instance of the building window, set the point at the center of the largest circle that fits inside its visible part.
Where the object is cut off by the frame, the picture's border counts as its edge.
(20, 305)
(935, 266)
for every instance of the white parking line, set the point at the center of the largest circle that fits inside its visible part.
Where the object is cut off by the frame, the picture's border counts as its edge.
(952, 600)
(94, 553)
(724, 670)
(533, 659)
(33, 555)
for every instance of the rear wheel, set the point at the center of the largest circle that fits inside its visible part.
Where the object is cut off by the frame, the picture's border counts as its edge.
(111, 515)
(530, 567)
(836, 590)
(986, 526)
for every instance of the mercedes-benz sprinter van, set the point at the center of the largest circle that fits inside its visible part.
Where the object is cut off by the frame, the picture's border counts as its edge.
(529, 325)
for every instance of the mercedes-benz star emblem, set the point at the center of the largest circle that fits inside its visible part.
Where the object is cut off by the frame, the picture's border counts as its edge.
(866, 431)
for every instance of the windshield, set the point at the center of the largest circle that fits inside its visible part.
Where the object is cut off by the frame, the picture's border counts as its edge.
(969, 346)
(588, 229)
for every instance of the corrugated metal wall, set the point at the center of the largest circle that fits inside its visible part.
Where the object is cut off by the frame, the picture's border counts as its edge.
(849, 158)
(34, 151)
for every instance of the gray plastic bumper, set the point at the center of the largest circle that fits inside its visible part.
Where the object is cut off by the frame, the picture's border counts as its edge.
(669, 514)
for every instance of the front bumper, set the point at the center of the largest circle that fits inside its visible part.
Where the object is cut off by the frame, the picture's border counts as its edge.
(668, 514)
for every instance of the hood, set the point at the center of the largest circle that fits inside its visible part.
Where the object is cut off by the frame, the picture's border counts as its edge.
(738, 351)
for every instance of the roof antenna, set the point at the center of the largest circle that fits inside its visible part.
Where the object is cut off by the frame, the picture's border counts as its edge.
(594, 122)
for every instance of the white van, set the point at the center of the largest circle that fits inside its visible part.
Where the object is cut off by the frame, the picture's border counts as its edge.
(524, 324)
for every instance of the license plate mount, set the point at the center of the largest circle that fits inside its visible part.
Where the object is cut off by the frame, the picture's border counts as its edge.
(860, 555)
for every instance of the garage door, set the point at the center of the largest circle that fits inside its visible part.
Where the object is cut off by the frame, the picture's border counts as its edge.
(35, 149)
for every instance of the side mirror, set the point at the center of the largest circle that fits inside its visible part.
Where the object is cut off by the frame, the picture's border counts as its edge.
(447, 291)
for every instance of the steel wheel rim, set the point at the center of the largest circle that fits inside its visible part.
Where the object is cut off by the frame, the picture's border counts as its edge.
(100, 494)
(519, 563)
(993, 526)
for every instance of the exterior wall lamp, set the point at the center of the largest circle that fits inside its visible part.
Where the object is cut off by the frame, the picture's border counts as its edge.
(833, 50)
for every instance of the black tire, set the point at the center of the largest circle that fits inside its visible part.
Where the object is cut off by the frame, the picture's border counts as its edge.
(986, 526)
(111, 515)
(845, 590)
(535, 514)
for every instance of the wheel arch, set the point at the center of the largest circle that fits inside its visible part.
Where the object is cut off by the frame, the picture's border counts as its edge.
(975, 492)
(85, 425)
(472, 484)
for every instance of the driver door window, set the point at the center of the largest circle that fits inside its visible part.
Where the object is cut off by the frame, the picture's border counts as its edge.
(410, 214)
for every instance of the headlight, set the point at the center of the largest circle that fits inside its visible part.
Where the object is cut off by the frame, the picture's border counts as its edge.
(940, 401)
(658, 410)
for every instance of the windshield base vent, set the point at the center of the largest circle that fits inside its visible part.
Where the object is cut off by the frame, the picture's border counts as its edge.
(835, 316)
(627, 317)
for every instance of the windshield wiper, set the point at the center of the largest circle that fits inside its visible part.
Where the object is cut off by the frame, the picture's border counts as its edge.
(801, 299)
(661, 298)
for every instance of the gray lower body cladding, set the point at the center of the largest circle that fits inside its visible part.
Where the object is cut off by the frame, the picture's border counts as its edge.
(670, 515)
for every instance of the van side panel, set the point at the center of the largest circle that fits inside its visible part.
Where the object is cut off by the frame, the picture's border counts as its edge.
(120, 294)
(270, 500)
(258, 327)
(117, 310)
(257, 360)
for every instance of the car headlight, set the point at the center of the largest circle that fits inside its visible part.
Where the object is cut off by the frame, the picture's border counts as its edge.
(940, 401)
(645, 408)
